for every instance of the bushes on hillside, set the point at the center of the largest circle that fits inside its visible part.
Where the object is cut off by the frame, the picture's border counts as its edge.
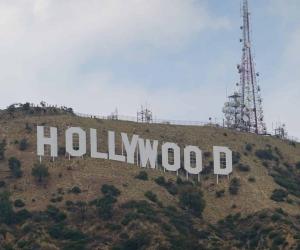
(55, 214)
(142, 176)
(19, 203)
(110, 190)
(234, 186)
(236, 156)
(251, 179)
(106, 203)
(192, 199)
(6, 209)
(220, 193)
(244, 168)
(279, 195)
(151, 196)
(40, 172)
(2, 149)
(138, 241)
(265, 154)
(75, 190)
(23, 145)
(169, 186)
(15, 167)
(59, 231)
(248, 147)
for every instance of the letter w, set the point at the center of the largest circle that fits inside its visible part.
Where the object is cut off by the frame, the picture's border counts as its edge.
(148, 152)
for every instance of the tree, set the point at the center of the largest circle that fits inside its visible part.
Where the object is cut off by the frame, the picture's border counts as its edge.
(279, 195)
(6, 209)
(15, 167)
(82, 205)
(40, 171)
(234, 186)
(192, 199)
(2, 149)
(23, 144)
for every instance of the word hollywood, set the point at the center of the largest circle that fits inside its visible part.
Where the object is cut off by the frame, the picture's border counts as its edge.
(143, 152)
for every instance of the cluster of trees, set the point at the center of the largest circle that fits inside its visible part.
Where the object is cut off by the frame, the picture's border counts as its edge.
(43, 107)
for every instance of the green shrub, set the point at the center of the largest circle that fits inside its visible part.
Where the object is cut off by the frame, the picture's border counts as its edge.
(236, 156)
(15, 167)
(234, 186)
(279, 195)
(113, 227)
(220, 193)
(248, 147)
(2, 150)
(142, 209)
(75, 190)
(55, 214)
(181, 182)
(290, 182)
(59, 231)
(169, 186)
(69, 203)
(160, 180)
(265, 154)
(151, 196)
(22, 216)
(105, 207)
(23, 145)
(2, 184)
(243, 168)
(6, 209)
(19, 203)
(278, 240)
(138, 241)
(298, 165)
(192, 199)
(275, 217)
(110, 190)
(142, 176)
(131, 216)
(251, 179)
(40, 172)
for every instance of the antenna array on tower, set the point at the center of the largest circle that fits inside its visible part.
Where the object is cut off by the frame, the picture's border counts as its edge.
(144, 115)
(243, 111)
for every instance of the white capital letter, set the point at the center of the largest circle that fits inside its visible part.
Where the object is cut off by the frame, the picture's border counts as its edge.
(187, 160)
(112, 148)
(42, 141)
(226, 167)
(130, 147)
(81, 141)
(94, 152)
(148, 152)
(165, 156)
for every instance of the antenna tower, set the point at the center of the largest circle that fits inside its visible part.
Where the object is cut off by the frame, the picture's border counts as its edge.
(243, 111)
(145, 115)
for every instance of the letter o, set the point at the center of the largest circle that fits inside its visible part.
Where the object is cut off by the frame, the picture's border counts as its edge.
(69, 141)
(187, 160)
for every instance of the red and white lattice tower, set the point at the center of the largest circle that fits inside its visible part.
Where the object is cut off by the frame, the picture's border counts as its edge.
(244, 110)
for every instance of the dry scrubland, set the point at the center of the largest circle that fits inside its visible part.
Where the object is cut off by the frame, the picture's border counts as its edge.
(89, 175)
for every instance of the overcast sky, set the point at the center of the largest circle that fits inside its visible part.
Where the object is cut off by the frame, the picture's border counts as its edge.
(179, 56)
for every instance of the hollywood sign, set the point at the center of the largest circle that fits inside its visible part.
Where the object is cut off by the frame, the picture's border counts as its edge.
(143, 152)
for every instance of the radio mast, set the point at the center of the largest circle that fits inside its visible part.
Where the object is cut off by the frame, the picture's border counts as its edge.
(243, 111)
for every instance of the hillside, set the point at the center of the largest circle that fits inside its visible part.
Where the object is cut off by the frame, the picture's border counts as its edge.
(88, 203)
